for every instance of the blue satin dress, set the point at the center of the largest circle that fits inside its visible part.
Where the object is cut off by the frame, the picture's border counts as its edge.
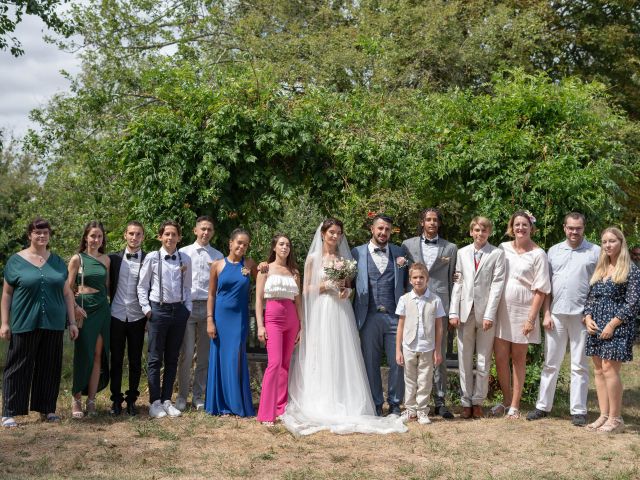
(228, 389)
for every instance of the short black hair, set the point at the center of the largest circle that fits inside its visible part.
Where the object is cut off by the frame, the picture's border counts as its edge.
(383, 217)
(205, 218)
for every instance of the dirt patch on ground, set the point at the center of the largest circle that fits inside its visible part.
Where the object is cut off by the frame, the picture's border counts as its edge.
(200, 446)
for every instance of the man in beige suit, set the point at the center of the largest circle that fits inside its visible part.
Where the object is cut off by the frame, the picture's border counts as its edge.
(474, 301)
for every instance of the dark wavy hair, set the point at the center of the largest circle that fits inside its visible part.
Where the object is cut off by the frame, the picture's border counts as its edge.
(87, 229)
(330, 222)
(170, 223)
(292, 265)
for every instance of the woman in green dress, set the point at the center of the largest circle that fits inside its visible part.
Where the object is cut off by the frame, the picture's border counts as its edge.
(89, 275)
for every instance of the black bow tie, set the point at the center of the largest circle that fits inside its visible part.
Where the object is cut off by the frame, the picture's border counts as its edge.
(380, 249)
(131, 255)
(433, 242)
(167, 257)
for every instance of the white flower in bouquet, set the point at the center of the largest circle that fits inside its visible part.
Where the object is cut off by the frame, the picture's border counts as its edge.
(340, 269)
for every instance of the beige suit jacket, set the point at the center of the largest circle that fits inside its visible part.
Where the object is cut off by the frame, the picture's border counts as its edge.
(479, 289)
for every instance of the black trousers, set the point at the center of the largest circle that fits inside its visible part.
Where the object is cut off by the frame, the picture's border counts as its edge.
(166, 331)
(33, 368)
(129, 335)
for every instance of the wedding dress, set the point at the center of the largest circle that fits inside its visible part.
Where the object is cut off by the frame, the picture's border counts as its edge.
(328, 386)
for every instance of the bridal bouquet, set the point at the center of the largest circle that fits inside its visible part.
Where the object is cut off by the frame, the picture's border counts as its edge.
(340, 269)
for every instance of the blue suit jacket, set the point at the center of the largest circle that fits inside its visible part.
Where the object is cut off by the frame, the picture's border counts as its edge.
(361, 298)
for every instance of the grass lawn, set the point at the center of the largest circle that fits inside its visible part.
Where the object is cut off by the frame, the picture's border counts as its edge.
(200, 446)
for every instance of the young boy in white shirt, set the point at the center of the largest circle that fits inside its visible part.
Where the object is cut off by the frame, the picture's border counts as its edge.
(418, 343)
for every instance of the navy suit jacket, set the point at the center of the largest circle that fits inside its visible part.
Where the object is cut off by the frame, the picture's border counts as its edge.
(361, 298)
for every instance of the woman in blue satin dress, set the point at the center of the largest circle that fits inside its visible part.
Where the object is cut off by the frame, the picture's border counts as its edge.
(228, 389)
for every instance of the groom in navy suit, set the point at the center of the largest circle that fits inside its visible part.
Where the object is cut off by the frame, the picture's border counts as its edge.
(381, 281)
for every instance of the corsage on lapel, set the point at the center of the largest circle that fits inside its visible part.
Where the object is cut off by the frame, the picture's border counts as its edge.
(402, 262)
(445, 259)
(245, 271)
(183, 268)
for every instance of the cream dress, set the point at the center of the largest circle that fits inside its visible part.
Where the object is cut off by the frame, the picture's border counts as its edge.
(525, 273)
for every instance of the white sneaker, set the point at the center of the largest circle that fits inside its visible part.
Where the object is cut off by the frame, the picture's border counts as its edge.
(407, 415)
(170, 409)
(423, 418)
(181, 404)
(156, 410)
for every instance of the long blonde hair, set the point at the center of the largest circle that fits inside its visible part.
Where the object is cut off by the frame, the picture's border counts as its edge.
(623, 264)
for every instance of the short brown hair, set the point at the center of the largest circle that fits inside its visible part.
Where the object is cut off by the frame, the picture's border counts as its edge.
(419, 266)
(482, 221)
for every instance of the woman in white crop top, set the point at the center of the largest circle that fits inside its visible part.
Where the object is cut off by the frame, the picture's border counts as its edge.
(280, 326)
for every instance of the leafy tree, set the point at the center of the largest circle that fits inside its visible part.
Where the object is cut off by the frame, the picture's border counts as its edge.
(12, 11)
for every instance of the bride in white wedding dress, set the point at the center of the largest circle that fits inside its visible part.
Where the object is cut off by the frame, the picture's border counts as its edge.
(328, 386)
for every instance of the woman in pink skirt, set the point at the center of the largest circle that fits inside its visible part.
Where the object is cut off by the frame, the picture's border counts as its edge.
(280, 326)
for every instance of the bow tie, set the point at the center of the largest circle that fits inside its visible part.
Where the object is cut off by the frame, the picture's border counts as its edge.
(167, 257)
(380, 249)
(433, 242)
(131, 255)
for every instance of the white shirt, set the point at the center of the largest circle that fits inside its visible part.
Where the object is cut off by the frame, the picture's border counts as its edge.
(172, 277)
(429, 251)
(381, 259)
(125, 305)
(420, 343)
(201, 260)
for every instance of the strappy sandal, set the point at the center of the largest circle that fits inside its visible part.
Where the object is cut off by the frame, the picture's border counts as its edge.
(76, 409)
(9, 422)
(498, 410)
(600, 421)
(91, 407)
(268, 424)
(513, 414)
(613, 425)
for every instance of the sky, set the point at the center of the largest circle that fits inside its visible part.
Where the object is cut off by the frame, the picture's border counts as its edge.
(30, 80)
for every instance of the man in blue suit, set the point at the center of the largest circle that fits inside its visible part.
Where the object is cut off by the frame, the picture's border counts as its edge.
(381, 281)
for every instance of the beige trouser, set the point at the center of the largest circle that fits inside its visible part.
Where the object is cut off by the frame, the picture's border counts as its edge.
(418, 377)
(473, 339)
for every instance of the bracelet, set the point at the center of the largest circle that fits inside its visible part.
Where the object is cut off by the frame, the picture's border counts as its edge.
(73, 324)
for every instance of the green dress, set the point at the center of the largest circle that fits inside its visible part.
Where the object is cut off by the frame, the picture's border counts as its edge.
(98, 322)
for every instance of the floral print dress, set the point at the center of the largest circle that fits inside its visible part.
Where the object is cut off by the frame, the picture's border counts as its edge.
(607, 300)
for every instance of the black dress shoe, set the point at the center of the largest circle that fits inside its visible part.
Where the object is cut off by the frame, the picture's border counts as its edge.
(116, 409)
(379, 410)
(395, 410)
(444, 412)
(132, 409)
(536, 414)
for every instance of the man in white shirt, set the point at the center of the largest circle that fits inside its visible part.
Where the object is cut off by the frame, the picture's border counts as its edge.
(571, 264)
(195, 337)
(127, 320)
(164, 291)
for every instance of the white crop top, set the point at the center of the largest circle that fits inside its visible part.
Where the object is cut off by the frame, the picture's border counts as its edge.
(280, 286)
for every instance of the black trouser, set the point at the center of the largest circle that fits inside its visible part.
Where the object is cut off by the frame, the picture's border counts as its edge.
(166, 331)
(131, 335)
(34, 366)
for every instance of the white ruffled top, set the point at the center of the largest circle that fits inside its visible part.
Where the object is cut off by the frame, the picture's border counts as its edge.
(280, 286)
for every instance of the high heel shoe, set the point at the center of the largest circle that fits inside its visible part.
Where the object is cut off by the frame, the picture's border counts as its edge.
(91, 407)
(613, 425)
(600, 421)
(76, 409)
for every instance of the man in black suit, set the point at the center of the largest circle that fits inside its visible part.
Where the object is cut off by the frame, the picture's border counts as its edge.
(127, 320)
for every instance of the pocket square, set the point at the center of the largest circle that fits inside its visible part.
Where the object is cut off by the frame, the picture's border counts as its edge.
(445, 259)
